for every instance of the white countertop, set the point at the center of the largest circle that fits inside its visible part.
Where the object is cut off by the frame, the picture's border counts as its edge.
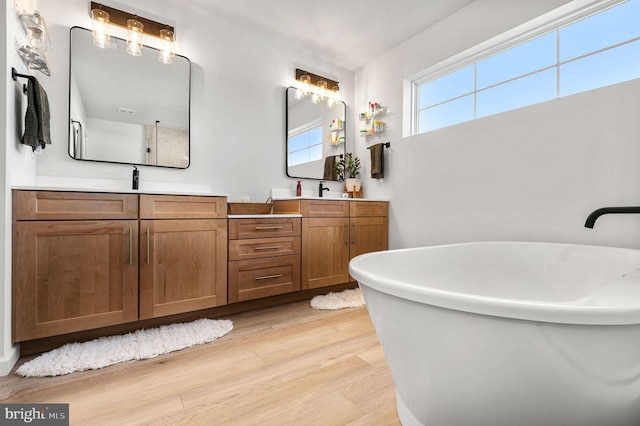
(328, 199)
(117, 190)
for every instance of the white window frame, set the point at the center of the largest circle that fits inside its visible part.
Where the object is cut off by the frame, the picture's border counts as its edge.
(562, 16)
(302, 129)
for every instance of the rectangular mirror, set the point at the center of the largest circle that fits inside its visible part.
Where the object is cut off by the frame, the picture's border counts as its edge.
(126, 109)
(315, 136)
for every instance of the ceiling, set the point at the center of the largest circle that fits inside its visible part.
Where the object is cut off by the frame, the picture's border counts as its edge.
(348, 33)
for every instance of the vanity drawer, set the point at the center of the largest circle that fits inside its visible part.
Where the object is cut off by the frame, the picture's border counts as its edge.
(59, 205)
(263, 247)
(264, 228)
(182, 207)
(369, 208)
(324, 208)
(257, 278)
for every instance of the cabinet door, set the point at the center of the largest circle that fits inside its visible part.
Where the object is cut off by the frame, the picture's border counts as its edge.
(183, 265)
(325, 252)
(368, 234)
(73, 275)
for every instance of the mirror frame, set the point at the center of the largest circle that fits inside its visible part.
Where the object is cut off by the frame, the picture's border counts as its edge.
(286, 130)
(71, 121)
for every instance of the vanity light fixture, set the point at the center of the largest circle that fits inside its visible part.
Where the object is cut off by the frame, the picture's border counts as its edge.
(322, 88)
(134, 37)
(318, 87)
(100, 28)
(333, 96)
(305, 83)
(137, 26)
(168, 46)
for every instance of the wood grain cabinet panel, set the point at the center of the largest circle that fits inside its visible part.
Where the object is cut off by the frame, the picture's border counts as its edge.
(329, 243)
(264, 228)
(183, 265)
(368, 234)
(325, 252)
(82, 261)
(369, 208)
(54, 205)
(264, 257)
(257, 278)
(324, 208)
(182, 207)
(73, 275)
(256, 248)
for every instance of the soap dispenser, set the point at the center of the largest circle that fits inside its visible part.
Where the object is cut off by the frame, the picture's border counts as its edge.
(299, 190)
(136, 178)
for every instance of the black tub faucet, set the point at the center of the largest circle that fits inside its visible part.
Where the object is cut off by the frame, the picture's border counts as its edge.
(591, 220)
(321, 189)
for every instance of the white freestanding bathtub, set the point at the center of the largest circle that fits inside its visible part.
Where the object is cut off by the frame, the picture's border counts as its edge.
(508, 334)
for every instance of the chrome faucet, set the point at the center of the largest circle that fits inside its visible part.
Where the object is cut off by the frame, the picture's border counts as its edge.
(321, 189)
(591, 220)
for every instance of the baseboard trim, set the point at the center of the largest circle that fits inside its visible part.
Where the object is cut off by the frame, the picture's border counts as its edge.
(8, 362)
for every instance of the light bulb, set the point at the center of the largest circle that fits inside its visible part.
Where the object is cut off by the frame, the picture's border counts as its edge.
(305, 80)
(100, 28)
(134, 37)
(168, 47)
(322, 86)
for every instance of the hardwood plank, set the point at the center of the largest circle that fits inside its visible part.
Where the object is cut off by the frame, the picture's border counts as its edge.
(288, 364)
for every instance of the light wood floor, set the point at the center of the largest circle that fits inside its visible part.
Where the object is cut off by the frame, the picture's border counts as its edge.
(288, 365)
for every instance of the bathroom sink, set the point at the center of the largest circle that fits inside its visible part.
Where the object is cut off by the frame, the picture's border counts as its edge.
(249, 208)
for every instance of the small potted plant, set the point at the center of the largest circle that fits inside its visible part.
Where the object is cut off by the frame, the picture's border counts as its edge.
(348, 169)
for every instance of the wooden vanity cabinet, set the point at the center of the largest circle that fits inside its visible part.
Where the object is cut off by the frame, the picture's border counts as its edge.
(264, 257)
(369, 227)
(183, 254)
(335, 231)
(72, 275)
(325, 251)
(89, 260)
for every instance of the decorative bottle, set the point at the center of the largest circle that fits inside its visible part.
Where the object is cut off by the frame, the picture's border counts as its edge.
(299, 190)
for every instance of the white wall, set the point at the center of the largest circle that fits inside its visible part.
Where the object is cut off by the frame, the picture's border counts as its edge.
(530, 174)
(19, 168)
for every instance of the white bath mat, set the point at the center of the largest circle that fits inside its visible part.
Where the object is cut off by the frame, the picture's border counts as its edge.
(141, 344)
(345, 299)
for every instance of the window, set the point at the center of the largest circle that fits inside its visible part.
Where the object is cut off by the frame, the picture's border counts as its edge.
(305, 144)
(564, 59)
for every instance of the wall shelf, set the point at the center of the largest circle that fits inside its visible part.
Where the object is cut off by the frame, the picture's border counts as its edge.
(374, 109)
